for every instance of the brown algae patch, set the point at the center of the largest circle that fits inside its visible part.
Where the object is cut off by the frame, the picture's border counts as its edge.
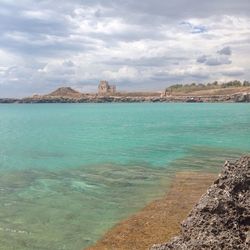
(159, 220)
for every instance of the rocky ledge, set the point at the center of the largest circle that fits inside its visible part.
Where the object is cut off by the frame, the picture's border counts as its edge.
(68, 95)
(221, 219)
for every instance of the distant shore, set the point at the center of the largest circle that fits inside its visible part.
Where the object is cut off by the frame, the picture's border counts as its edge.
(69, 95)
(241, 97)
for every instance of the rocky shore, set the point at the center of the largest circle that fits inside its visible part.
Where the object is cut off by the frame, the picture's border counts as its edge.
(221, 219)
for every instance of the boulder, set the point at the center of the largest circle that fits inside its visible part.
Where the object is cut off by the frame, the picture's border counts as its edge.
(221, 219)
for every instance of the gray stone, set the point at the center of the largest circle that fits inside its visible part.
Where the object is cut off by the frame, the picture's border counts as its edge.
(221, 219)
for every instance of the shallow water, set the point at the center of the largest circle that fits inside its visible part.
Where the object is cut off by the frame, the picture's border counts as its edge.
(70, 171)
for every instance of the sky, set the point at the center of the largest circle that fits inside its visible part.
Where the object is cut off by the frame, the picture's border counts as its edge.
(136, 45)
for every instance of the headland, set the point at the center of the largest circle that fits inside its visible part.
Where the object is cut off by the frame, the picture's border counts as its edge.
(227, 92)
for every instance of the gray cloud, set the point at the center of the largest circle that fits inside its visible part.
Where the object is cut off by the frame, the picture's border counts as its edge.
(68, 63)
(234, 72)
(45, 44)
(202, 59)
(225, 51)
(215, 61)
(146, 61)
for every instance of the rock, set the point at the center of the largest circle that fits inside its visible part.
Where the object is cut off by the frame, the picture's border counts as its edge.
(242, 97)
(8, 100)
(221, 219)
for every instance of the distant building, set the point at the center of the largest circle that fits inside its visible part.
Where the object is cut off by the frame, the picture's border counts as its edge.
(166, 92)
(105, 89)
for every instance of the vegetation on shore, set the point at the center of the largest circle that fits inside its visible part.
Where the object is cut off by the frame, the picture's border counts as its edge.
(209, 86)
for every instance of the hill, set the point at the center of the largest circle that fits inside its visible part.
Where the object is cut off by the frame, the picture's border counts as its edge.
(65, 92)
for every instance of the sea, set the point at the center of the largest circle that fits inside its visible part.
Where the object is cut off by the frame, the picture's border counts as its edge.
(69, 172)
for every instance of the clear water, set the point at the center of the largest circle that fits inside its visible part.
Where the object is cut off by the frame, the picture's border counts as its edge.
(68, 172)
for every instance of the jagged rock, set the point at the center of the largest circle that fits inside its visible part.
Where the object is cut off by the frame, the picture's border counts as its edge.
(242, 97)
(221, 219)
(8, 100)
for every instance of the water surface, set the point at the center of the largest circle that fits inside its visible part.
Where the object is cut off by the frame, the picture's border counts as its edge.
(68, 172)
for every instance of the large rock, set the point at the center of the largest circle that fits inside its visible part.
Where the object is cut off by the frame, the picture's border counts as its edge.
(221, 219)
(242, 97)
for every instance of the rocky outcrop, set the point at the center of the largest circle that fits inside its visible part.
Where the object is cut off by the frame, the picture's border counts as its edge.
(242, 97)
(69, 95)
(221, 219)
(9, 100)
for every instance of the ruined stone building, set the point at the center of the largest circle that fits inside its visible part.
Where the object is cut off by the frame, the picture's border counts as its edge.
(105, 89)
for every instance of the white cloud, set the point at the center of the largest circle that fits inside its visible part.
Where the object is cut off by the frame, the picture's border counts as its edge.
(156, 42)
(123, 73)
(233, 72)
(56, 68)
(37, 14)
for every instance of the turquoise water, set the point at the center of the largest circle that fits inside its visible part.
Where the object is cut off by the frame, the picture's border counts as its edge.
(68, 172)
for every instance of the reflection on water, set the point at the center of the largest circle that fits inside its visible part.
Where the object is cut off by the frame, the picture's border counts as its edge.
(70, 209)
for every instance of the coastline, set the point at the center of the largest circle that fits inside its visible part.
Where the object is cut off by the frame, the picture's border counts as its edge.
(160, 220)
(69, 95)
(233, 98)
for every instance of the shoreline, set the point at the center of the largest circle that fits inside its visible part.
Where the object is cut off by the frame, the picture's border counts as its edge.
(69, 95)
(233, 98)
(160, 220)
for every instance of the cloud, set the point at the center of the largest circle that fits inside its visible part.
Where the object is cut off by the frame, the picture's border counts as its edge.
(202, 59)
(215, 61)
(123, 73)
(57, 67)
(136, 44)
(221, 57)
(233, 72)
(192, 28)
(194, 72)
(225, 51)
(68, 63)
